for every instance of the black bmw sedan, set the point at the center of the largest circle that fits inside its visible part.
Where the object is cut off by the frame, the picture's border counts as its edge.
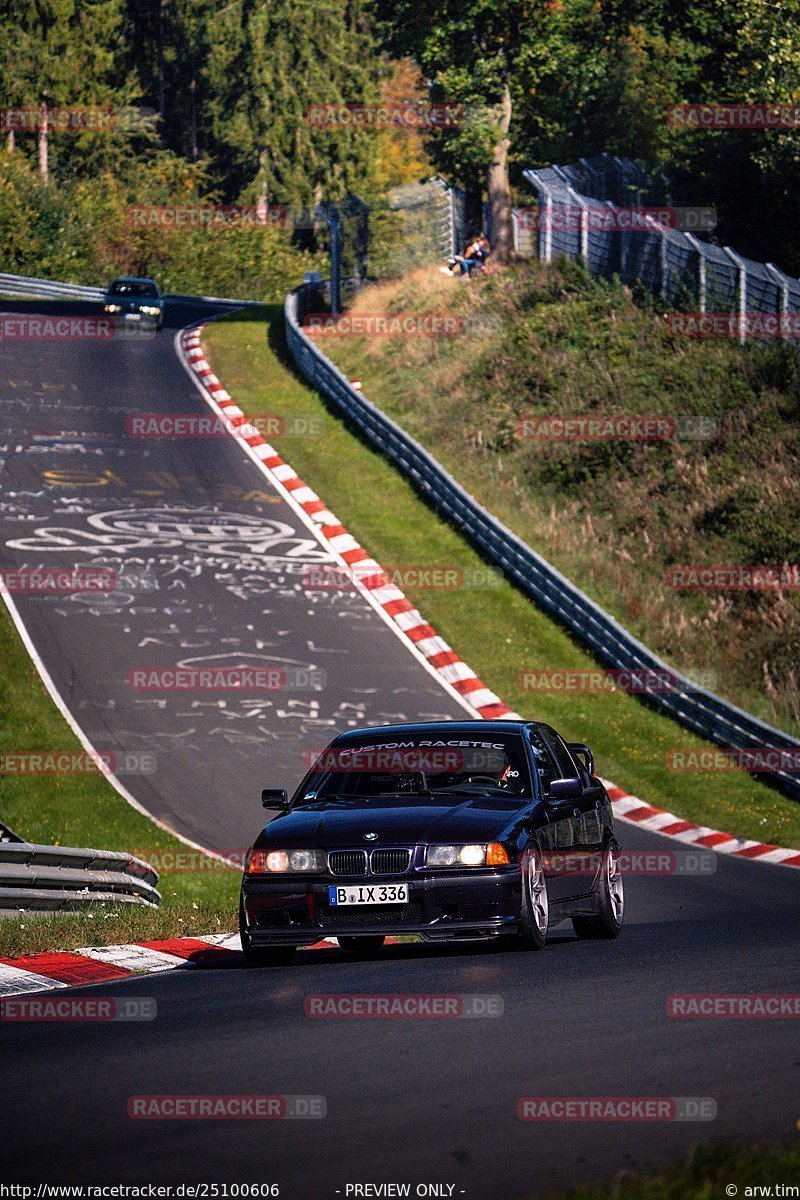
(446, 830)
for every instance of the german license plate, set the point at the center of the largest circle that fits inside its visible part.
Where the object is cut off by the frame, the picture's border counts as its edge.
(369, 893)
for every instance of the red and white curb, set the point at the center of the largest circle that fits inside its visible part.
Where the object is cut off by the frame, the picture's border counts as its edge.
(107, 964)
(656, 820)
(382, 593)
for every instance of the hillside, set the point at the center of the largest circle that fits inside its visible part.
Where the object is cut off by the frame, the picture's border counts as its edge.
(720, 487)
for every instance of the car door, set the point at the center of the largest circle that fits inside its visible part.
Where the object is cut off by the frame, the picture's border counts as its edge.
(557, 837)
(585, 816)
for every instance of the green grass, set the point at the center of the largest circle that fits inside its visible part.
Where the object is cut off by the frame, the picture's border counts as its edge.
(496, 630)
(118, 924)
(84, 810)
(705, 1176)
(614, 515)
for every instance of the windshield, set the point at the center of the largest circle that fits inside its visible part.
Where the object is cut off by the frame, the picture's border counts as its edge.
(418, 767)
(124, 287)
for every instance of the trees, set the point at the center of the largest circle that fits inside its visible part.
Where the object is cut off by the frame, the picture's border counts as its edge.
(59, 61)
(473, 52)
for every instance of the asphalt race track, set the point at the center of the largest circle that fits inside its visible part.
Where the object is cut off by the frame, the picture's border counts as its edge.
(210, 567)
(418, 1101)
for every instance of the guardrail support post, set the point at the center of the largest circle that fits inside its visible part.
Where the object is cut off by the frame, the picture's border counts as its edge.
(783, 294)
(697, 246)
(742, 291)
(330, 215)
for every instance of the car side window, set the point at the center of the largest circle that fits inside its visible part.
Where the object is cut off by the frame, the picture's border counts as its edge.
(567, 767)
(546, 765)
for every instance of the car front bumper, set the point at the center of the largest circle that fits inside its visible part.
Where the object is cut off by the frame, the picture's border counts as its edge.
(441, 907)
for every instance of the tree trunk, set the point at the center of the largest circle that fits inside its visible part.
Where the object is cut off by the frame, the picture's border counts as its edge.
(195, 153)
(10, 142)
(44, 170)
(162, 101)
(499, 192)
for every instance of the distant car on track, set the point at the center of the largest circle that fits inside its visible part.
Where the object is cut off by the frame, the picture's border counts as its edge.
(135, 299)
(448, 830)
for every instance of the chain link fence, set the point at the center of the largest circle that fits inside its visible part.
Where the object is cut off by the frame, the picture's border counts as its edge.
(579, 216)
(433, 220)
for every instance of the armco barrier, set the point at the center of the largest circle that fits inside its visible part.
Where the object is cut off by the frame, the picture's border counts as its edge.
(693, 706)
(23, 286)
(60, 877)
(47, 289)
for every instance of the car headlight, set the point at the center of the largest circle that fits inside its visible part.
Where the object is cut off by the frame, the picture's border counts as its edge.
(112, 308)
(151, 310)
(470, 855)
(281, 862)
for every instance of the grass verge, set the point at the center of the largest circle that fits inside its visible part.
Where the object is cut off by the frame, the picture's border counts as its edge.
(714, 483)
(84, 810)
(495, 629)
(706, 1175)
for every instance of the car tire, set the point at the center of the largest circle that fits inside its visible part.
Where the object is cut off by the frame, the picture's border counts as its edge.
(607, 923)
(262, 956)
(535, 912)
(361, 947)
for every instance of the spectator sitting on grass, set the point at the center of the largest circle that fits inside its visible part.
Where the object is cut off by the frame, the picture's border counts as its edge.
(473, 258)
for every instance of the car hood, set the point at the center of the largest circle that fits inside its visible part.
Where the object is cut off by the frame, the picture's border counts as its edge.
(460, 819)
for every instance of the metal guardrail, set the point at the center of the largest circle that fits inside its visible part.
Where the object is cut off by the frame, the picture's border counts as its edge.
(692, 706)
(61, 877)
(47, 289)
(24, 286)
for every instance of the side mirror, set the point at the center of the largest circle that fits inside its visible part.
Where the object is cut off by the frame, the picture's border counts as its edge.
(581, 751)
(566, 789)
(275, 798)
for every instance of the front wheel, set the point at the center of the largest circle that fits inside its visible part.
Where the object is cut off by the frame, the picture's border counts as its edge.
(535, 916)
(607, 923)
(262, 956)
(361, 947)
